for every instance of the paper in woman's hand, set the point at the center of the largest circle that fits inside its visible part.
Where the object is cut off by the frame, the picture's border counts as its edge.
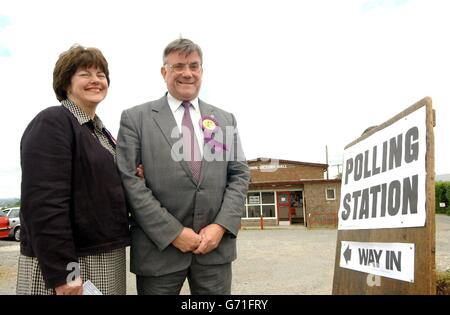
(90, 289)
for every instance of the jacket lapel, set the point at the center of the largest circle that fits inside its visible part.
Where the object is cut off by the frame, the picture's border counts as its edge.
(166, 122)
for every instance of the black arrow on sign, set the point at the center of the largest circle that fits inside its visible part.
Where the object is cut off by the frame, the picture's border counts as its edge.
(347, 254)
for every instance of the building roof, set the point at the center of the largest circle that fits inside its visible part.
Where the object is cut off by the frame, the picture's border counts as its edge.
(289, 183)
(262, 159)
(300, 181)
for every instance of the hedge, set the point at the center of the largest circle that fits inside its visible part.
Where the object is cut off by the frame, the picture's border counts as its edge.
(442, 193)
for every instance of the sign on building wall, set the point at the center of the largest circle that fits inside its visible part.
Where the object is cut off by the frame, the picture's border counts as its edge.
(274, 166)
(386, 225)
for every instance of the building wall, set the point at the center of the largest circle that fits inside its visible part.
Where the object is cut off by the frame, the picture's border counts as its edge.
(285, 172)
(257, 222)
(292, 175)
(319, 211)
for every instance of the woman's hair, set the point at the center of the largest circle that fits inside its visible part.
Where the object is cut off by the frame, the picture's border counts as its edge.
(70, 61)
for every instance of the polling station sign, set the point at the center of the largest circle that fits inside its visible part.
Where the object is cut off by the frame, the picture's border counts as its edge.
(386, 231)
(384, 177)
(392, 260)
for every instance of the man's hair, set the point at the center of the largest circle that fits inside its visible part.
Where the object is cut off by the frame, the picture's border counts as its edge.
(183, 46)
(70, 61)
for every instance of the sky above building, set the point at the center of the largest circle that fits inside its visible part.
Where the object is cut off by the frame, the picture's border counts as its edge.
(297, 75)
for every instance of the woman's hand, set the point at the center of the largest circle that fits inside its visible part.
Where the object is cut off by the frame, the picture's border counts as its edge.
(140, 171)
(71, 288)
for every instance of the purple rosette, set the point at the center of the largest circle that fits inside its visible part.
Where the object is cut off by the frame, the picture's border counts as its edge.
(209, 125)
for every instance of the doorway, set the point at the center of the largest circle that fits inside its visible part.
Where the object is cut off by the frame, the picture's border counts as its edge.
(290, 207)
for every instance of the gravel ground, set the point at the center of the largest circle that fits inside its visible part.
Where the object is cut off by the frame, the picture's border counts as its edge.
(282, 260)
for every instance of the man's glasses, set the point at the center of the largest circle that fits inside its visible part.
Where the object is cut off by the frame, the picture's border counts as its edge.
(179, 67)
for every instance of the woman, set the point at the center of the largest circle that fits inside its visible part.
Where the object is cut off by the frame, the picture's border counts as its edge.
(73, 215)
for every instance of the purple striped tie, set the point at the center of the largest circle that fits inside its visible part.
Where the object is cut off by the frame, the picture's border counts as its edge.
(190, 143)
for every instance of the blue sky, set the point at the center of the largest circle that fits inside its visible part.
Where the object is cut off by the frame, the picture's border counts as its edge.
(297, 74)
(4, 22)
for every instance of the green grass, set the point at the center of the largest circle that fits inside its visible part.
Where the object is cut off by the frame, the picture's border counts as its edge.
(443, 282)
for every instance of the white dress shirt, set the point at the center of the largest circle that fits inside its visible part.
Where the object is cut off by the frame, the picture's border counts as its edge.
(178, 112)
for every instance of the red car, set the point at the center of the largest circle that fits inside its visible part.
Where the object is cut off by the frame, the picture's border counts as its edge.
(4, 225)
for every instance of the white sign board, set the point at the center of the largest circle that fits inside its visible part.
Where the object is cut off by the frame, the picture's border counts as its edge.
(384, 176)
(391, 260)
(253, 200)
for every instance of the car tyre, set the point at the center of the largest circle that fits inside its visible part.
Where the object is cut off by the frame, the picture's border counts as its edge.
(17, 234)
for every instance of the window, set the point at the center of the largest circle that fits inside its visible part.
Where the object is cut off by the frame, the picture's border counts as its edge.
(260, 203)
(244, 212)
(283, 198)
(268, 197)
(254, 211)
(330, 194)
(254, 198)
(268, 211)
(14, 213)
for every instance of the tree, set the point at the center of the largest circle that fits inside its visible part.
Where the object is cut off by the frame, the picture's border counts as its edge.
(442, 194)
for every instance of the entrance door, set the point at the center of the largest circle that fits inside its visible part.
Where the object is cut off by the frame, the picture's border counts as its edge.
(296, 210)
(283, 205)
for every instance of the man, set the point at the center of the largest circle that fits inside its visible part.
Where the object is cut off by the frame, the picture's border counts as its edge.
(186, 213)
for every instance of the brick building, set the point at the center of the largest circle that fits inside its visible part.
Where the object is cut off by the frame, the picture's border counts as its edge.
(286, 192)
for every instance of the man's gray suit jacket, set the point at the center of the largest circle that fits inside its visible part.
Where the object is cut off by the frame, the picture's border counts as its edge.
(169, 198)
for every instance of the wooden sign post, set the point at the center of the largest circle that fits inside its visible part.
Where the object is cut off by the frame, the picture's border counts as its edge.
(386, 223)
